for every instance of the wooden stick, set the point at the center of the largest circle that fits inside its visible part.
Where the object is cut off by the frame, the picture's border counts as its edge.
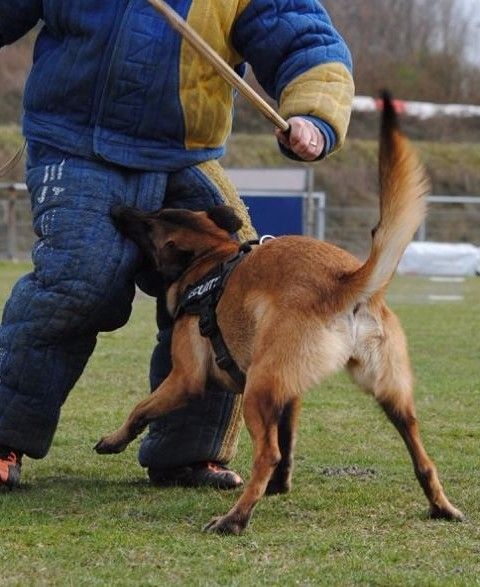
(10, 164)
(220, 65)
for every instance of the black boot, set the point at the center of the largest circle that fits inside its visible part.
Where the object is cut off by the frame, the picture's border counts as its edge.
(198, 475)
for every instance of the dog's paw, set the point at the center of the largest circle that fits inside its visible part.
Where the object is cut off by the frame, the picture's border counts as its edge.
(225, 525)
(105, 447)
(447, 513)
(277, 486)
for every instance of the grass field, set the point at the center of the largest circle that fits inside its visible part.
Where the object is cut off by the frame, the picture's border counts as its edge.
(355, 516)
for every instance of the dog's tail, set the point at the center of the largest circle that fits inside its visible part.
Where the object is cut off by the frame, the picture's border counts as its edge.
(403, 189)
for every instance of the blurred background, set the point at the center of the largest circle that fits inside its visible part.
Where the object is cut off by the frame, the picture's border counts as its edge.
(422, 50)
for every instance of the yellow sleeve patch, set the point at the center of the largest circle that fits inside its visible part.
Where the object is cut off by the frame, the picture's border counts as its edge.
(325, 91)
(206, 98)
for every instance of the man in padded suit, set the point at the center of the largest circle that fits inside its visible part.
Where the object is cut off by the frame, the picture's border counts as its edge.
(120, 110)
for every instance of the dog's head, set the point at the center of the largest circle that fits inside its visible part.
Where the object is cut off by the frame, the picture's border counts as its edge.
(172, 238)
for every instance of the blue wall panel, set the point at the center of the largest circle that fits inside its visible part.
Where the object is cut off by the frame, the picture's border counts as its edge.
(276, 215)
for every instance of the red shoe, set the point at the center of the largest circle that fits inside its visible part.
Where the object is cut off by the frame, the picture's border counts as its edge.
(10, 467)
(198, 475)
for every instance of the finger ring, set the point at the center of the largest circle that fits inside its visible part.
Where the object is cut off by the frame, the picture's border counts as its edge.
(314, 143)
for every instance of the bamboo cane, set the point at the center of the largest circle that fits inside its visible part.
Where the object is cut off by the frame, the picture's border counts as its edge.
(12, 162)
(220, 65)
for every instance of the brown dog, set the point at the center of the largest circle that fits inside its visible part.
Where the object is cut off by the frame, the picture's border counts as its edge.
(293, 311)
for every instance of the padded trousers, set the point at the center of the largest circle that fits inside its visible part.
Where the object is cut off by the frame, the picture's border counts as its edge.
(83, 282)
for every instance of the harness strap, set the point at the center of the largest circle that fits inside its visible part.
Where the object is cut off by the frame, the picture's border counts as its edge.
(208, 326)
(202, 299)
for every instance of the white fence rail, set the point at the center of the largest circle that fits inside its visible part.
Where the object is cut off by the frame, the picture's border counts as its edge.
(450, 219)
(422, 110)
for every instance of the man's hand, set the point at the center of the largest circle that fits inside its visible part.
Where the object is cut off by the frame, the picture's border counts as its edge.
(304, 138)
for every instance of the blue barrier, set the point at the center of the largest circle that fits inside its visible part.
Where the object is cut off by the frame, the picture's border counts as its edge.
(276, 215)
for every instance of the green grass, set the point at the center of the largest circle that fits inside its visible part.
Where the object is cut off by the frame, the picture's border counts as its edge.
(83, 519)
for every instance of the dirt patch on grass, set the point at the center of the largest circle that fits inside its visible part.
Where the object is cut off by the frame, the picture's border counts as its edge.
(349, 471)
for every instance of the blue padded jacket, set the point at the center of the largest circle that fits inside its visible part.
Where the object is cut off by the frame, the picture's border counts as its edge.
(113, 80)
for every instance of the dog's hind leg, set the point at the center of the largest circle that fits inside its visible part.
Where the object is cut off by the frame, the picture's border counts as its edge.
(262, 414)
(384, 370)
(405, 421)
(281, 479)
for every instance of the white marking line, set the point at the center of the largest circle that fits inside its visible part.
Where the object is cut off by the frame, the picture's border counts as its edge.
(60, 169)
(447, 279)
(43, 195)
(435, 298)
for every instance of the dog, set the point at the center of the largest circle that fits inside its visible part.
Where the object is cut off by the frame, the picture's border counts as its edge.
(293, 311)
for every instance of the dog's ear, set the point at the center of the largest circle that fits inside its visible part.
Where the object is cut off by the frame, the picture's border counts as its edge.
(172, 261)
(225, 218)
(134, 224)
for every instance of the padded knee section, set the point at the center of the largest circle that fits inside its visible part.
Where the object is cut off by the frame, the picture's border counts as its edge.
(205, 430)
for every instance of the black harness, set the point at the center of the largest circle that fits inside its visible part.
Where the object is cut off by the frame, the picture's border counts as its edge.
(201, 299)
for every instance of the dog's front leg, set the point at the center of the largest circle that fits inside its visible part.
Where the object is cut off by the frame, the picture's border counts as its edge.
(173, 393)
(186, 379)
